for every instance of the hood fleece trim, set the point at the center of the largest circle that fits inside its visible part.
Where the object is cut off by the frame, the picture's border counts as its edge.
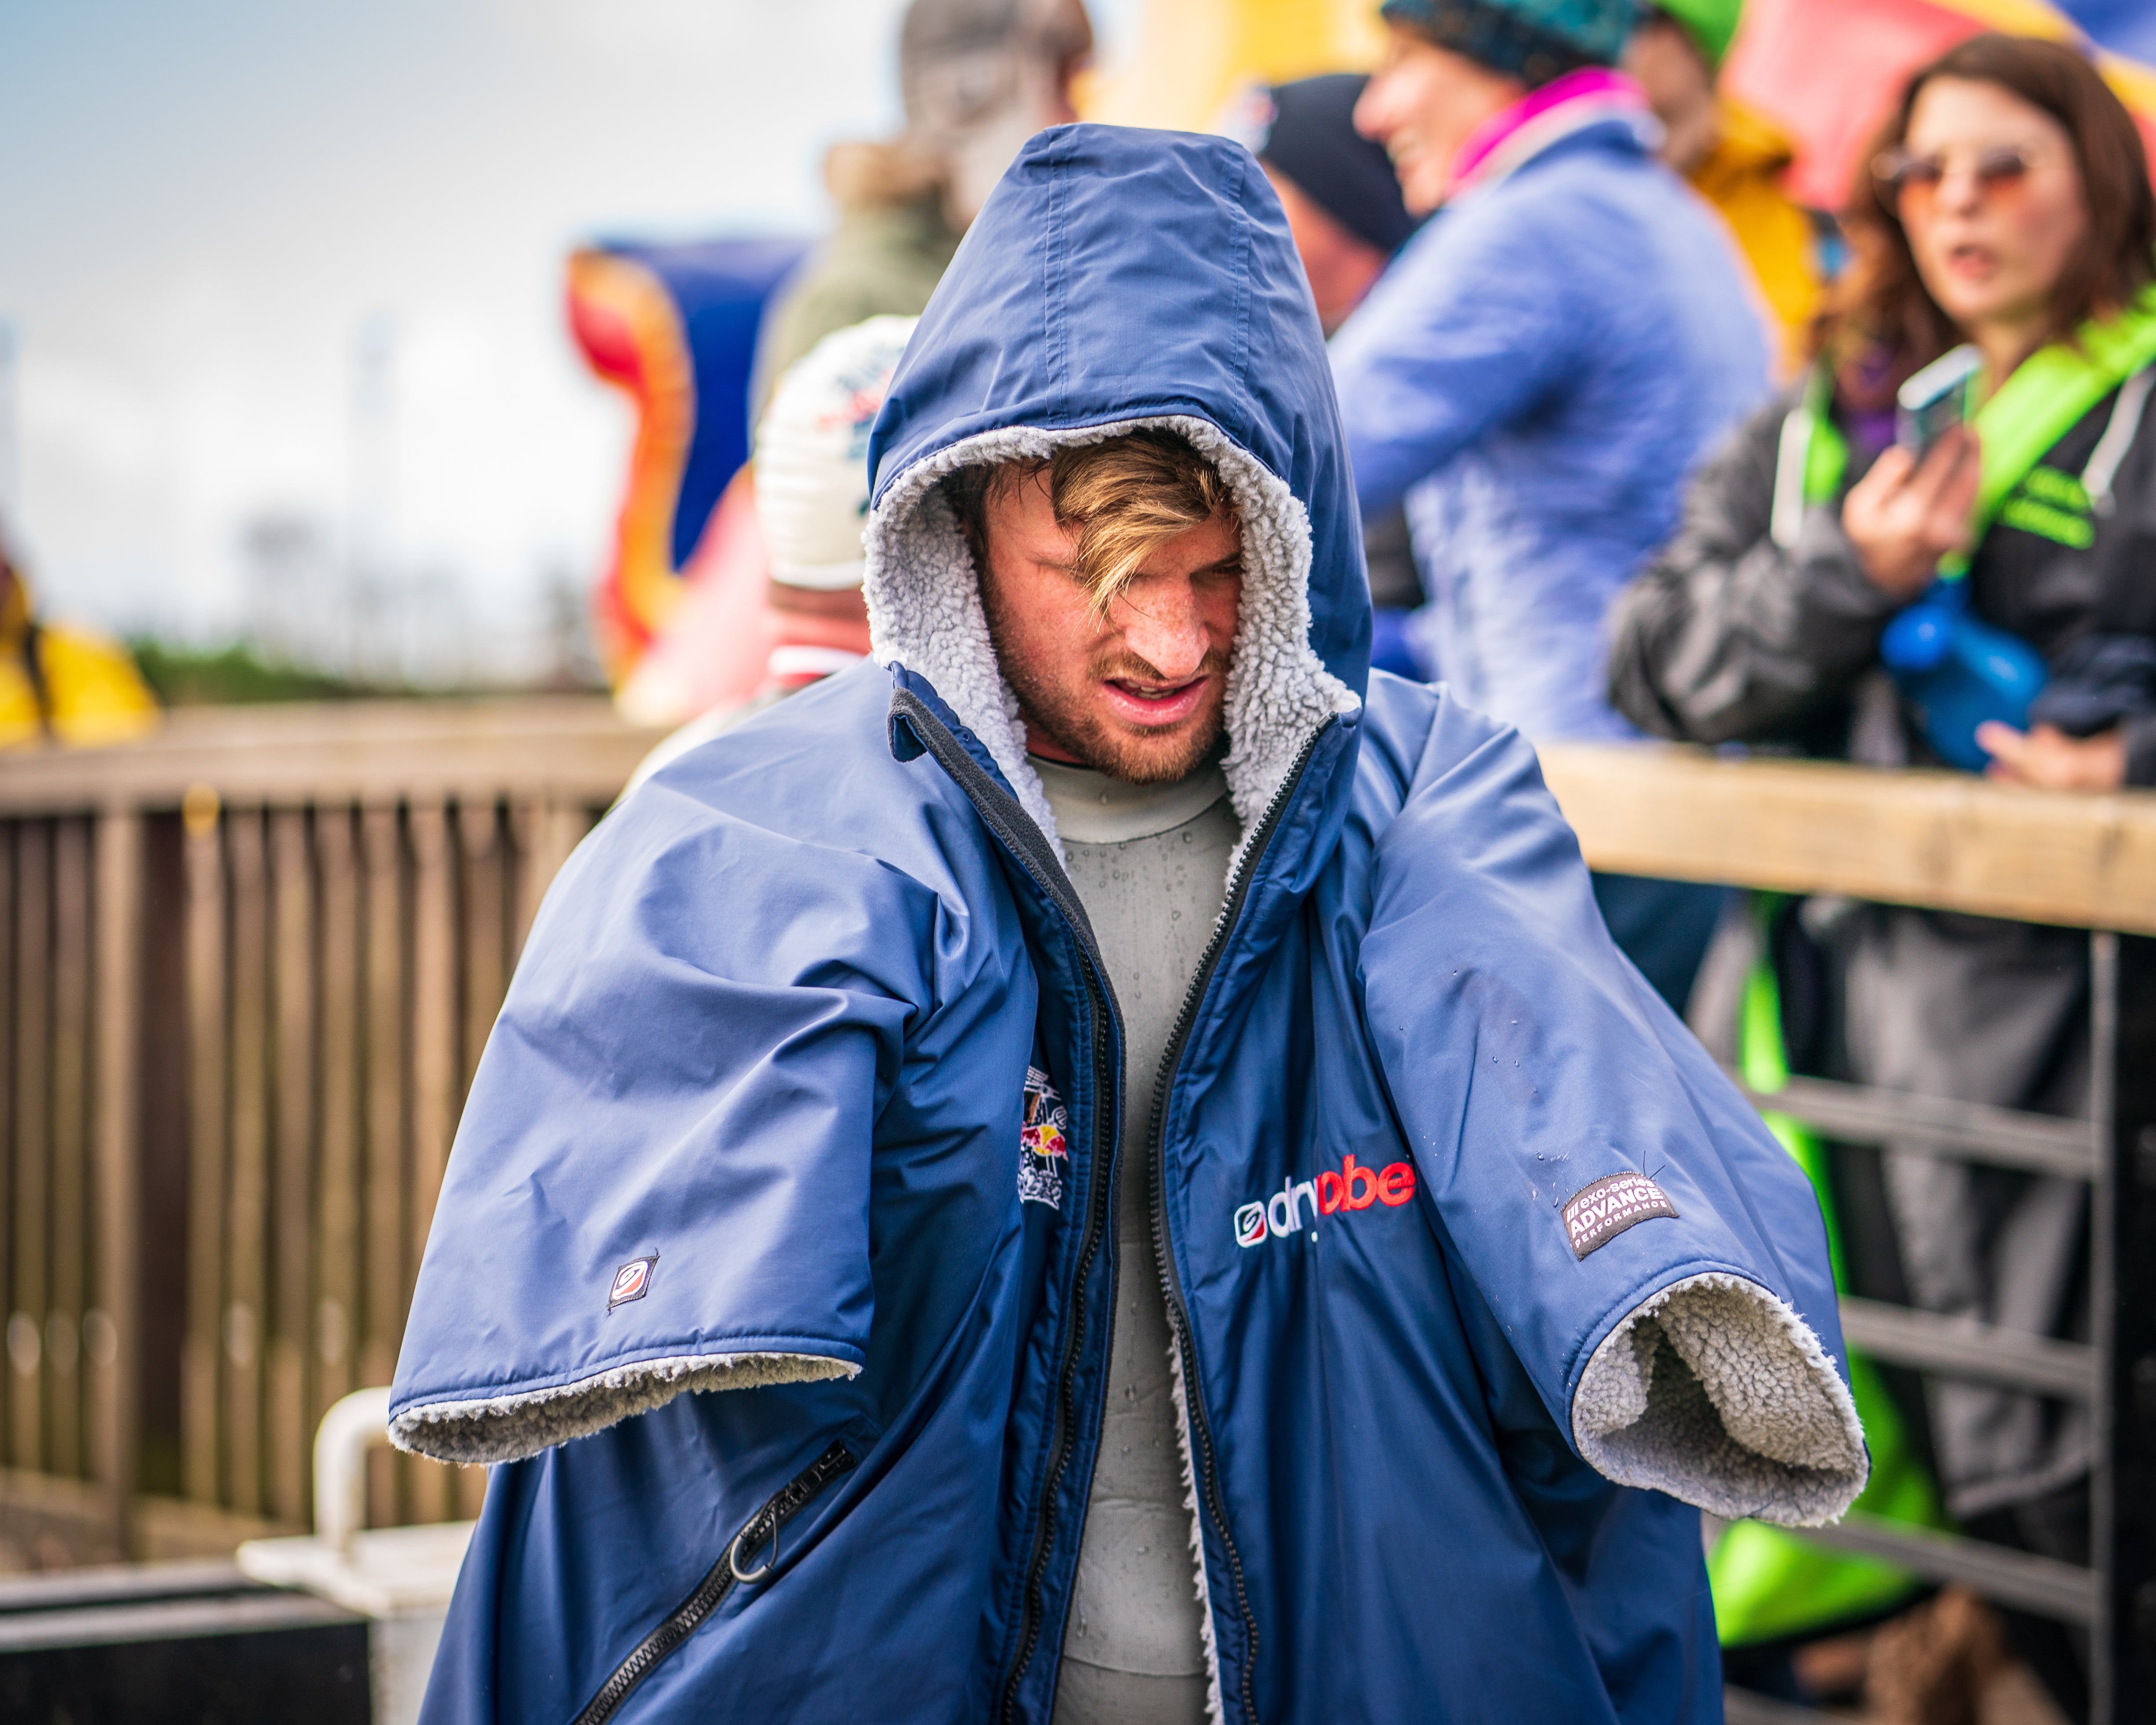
(925, 611)
(1717, 1393)
(1216, 1709)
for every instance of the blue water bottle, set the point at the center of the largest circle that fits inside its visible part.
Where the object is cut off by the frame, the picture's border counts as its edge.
(1957, 671)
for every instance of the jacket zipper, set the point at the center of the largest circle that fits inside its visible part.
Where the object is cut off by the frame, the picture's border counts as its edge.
(762, 1529)
(1178, 1317)
(1026, 842)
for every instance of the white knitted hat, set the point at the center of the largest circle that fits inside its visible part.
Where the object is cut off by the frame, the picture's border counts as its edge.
(812, 450)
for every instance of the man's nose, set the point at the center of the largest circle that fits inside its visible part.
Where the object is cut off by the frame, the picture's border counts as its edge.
(1163, 624)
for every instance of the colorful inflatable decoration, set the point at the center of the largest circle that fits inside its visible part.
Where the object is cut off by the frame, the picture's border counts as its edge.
(1827, 71)
(675, 327)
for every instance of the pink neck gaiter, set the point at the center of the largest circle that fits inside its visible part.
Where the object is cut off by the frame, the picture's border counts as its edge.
(1541, 117)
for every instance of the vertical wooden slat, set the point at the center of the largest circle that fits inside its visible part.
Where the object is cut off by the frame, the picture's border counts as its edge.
(486, 937)
(112, 1329)
(70, 1140)
(527, 820)
(206, 1144)
(485, 933)
(338, 1287)
(547, 830)
(11, 838)
(384, 1204)
(32, 1218)
(248, 1213)
(434, 1065)
(291, 1430)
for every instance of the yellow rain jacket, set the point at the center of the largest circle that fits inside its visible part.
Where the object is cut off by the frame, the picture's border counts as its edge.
(68, 684)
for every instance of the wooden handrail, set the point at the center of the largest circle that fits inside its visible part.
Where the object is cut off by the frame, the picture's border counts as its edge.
(571, 748)
(1943, 840)
(1946, 840)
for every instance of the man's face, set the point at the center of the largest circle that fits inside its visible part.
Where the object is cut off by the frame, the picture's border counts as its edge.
(1679, 88)
(1422, 105)
(1138, 693)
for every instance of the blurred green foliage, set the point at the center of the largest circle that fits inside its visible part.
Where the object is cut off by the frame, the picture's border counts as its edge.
(190, 676)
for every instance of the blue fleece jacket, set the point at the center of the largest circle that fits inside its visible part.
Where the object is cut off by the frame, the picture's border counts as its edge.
(776, 1258)
(1538, 373)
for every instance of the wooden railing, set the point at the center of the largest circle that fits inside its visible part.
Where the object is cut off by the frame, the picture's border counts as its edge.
(1946, 841)
(246, 969)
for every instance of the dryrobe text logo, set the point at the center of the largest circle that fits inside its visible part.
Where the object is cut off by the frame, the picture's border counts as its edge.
(1350, 1187)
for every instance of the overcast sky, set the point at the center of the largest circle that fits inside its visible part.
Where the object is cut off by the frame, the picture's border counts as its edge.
(202, 204)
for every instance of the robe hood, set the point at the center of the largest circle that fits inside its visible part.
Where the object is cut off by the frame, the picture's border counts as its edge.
(1118, 279)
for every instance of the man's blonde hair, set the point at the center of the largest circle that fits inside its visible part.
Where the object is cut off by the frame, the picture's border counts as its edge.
(1124, 496)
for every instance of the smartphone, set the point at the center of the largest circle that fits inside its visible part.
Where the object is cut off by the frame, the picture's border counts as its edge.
(1935, 400)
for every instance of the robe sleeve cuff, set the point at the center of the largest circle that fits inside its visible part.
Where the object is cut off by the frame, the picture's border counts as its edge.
(1717, 1393)
(516, 1423)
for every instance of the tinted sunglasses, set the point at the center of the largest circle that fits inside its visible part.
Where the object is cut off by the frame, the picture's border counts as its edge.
(1903, 174)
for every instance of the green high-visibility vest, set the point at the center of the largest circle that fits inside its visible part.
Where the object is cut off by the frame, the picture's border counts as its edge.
(2031, 411)
(1768, 1583)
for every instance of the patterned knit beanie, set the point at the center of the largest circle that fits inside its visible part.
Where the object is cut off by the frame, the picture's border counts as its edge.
(1535, 41)
(812, 448)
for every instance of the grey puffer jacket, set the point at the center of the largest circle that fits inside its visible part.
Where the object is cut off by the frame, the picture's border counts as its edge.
(1730, 636)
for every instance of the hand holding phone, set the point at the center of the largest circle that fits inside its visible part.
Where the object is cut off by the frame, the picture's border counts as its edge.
(1905, 515)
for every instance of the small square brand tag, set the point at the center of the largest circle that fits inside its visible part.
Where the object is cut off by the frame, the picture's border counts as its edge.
(1596, 1215)
(632, 1282)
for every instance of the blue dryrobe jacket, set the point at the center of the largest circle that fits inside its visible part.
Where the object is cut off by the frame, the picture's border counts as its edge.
(1537, 374)
(1480, 1275)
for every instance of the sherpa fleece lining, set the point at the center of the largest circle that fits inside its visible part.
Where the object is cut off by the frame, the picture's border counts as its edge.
(508, 1428)
(1719, 1394)
(924, 604)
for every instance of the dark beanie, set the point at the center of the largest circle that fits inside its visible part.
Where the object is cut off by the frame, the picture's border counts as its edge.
(1535, 41)
(1310, 136)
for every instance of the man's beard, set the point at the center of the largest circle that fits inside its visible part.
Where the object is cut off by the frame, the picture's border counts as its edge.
(1068, 719)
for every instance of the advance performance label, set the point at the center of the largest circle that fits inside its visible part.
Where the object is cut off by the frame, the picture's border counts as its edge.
(1596, 1215)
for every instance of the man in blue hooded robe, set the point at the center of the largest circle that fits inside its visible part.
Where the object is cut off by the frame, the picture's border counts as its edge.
(986, 1203)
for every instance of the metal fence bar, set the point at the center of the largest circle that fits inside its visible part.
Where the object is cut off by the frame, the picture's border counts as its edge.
(1962, 1348)
(2106, 1208)
(2042, 1585)
(1741, 1707)
(1967, 1132)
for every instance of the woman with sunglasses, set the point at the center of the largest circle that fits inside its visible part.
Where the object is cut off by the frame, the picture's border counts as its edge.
(2007, 206)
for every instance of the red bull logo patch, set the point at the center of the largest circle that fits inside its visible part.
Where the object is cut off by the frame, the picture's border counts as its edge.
(1044, 1142)
(632, 1282)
